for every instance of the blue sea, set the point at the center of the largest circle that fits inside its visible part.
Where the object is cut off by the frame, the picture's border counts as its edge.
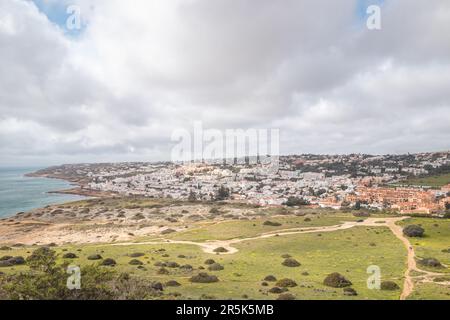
(20, 194)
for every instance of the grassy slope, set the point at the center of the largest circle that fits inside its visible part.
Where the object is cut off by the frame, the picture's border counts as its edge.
(433, 181)
(243, 229)
(436, 239)
(347, 252)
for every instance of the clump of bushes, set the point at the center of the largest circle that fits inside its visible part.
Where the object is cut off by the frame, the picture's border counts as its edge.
(172, 283)
(163, 271)
(167, 231)
(70, 255)
(203, 277)
(48, 281)
(272, 224)
(350, 292)
(277, 290)
(137, 255)
(286, 296)
(430, 262)
(9, 261)
(336, 280)
(95, 257)
(413, 231)
(187, 267)
(5, 248)
(389, 286)
(209, 261)
(136, 262)
(270, 278)
(220, 250)
(172, 265)
(286, 283)
(215, 267)
(292, 263)
(361, 214)
(108, 262)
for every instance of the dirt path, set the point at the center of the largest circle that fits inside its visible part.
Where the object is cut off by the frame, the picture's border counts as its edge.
(408, 285)
(427, 276)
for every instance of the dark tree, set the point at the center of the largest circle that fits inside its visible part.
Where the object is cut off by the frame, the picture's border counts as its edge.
(223, 193)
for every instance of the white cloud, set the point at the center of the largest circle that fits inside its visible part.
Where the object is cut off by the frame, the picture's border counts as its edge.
(140, 70)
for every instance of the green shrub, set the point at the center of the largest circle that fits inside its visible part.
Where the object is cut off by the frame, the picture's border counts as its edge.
(292, 263)
(95, 257)
(108, 262)
(336, 280)
(215, 267)
(413, 231)
(389, 286)
(430, 262)
(286, 296)
(272, 224)
(270, 278)
(135, 262)
(286, 283)
(350, 292)
(172, 283)
(203, 277)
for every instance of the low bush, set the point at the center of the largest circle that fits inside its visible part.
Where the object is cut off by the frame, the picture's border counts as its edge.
(172, 283)
(136, 262)
(163, 271)
(361, 214)
(286, 283)
(108, 262)
(413, 231)
(172, 265)
(95, 257)
(70, 255)
(203, 277)
(215, 267)
(336, 280)
(350, 292)
(292, 263)
(430, 262)
(137, 255)
(277, 290)
(389, 286)
(270, 278)
(272, 224)
(286, 296)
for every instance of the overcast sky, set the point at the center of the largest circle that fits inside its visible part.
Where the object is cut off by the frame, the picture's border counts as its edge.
(116, 89)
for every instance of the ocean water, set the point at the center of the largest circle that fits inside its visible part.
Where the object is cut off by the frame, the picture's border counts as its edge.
(20, 194)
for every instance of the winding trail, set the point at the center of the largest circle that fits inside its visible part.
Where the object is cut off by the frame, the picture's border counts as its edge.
(391, 223)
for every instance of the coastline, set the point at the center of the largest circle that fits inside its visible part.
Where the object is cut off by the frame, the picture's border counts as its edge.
(63, 192)
(79, 187)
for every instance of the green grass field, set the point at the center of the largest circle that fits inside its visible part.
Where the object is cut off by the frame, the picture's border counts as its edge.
(433, 181)
(436, 239)
(349, 252)
(243, 229)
